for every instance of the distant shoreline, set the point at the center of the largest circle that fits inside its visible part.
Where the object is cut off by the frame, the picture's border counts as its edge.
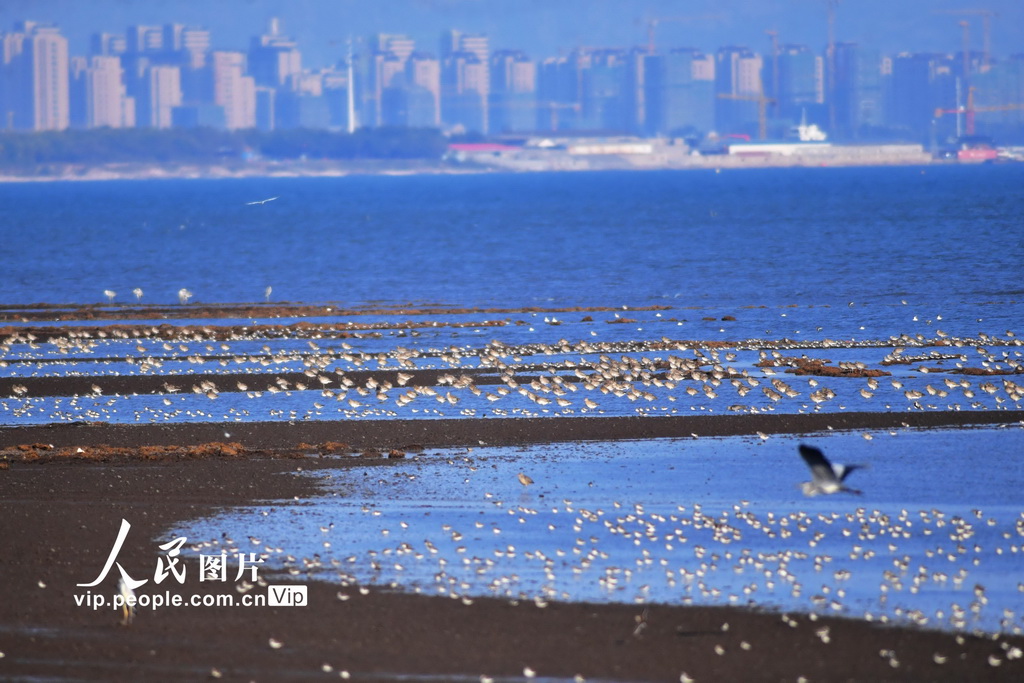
(137, 171)
(340, 169)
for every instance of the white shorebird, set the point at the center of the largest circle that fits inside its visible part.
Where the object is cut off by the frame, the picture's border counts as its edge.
(110, 294)
(128, 602)
(184, 295)
(825, 477)
(261, 202)
(138, 293)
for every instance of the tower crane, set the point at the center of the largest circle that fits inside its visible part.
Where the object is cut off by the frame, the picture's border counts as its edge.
(986, 28)
(969, 111)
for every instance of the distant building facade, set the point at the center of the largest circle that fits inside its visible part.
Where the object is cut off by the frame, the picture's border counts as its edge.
(162, 76)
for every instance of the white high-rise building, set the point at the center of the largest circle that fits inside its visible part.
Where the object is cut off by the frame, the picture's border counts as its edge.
(233, 90)
(35, 78)
(106, 102)
(163, 94)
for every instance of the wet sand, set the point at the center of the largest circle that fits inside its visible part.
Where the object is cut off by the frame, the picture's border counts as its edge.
(60, 516)
(65, 487)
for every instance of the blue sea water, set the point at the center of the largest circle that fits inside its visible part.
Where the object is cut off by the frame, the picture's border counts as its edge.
(938, 236)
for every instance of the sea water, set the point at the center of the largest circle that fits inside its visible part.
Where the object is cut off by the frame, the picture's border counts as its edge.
(942, 236)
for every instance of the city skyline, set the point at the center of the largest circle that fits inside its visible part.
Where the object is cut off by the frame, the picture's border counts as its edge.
(547, 28)
(180, 75)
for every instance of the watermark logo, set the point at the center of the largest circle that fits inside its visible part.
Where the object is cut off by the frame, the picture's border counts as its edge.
(170, 565)
(287, 596)
(211, 567)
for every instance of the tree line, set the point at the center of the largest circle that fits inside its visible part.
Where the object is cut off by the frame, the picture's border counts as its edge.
(198, 145)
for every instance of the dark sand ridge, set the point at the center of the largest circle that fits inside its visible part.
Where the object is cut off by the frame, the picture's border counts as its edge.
(59, 519)
(444, 432)
(45, 312)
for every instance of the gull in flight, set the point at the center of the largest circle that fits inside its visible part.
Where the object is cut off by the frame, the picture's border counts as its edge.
(825, 477)
(261, 201)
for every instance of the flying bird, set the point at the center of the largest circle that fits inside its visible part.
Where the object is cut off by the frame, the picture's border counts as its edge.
(261, 201)
(825, 477)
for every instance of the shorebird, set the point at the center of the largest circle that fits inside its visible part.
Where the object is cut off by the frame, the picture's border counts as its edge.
(825, 477)
(110, 294)
(128, 602)
(184, 295)
(261, 202)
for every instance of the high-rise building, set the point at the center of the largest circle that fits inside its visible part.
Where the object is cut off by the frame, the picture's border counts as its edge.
(799, 94)
(11, 46)
(423, 82)
(680, 93)
(34, 94)
(737, 89)
(386, 72)
(396, 44)
(141, 38)
(106, 104)
(465, 81)
(921, 83)
(513, 97)
(636, 91)
(172, 45)
(335, 84)
(603, 92)
(858, 90)
(558, 92)
(186, 46)
(274, 58)
(233, 90)
(163, 94)
(107, 44)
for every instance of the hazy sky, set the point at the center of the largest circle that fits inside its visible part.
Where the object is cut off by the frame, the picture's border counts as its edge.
(542, 27)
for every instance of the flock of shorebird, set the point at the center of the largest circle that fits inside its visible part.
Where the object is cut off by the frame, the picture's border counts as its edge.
(490, 539)
(385, 371)
(656, 377)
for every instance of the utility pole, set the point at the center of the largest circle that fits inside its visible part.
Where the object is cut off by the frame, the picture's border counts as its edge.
(351, 91)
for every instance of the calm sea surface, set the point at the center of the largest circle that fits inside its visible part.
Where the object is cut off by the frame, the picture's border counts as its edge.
(938, 236)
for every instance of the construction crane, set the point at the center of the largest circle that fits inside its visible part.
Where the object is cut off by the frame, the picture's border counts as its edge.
(986, 27)
(966, 26)
(652, 25)
(762, 106)
(969, 111)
